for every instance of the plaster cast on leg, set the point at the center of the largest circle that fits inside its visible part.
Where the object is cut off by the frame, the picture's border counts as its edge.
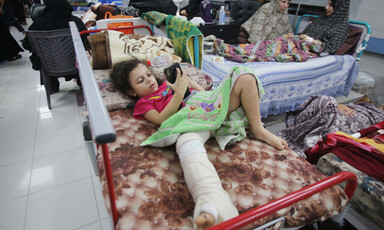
(201, 177)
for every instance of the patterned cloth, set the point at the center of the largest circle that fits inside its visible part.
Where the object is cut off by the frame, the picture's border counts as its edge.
(110, 47)
(288, 85)
(154, 17)
(207, 110)
(281, 49)
(332, 30)
(267, 23)
(319, 115)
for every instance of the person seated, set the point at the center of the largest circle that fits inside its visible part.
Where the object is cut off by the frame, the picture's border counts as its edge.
(9, 47)
(329, 30)
(57, 15)
(269, 22)
(192, 10)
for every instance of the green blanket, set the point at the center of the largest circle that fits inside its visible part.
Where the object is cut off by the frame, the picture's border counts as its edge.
(155, 18)
(207, 110)
(182, 34)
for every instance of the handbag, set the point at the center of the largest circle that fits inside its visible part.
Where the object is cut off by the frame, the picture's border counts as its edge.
(108, 15)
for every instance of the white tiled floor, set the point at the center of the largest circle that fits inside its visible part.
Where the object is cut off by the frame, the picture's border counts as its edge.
(46, 178)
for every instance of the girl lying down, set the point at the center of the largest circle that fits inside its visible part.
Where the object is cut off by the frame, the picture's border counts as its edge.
(223, 113)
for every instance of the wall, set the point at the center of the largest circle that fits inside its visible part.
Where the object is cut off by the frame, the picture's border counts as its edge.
(371, 11)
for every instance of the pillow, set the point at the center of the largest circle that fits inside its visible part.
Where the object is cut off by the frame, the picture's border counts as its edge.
(115, 100)
(112, 98)
(350, 43)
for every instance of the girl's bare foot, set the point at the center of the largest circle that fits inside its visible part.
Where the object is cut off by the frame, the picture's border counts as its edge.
(266, 136)
(204, 220)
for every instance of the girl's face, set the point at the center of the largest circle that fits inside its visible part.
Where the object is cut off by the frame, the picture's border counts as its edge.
(329, 8)
(143, 82)
(283, 5)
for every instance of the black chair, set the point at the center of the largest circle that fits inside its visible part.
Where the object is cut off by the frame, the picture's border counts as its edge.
(57, 55)
(241, 11)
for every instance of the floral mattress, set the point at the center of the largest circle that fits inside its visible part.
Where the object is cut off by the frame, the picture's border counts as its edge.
(151, 192)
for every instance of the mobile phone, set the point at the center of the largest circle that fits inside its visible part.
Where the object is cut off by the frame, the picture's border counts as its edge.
(171, 74)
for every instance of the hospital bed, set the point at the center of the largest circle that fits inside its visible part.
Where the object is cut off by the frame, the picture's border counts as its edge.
(287, 85)
(143, 187)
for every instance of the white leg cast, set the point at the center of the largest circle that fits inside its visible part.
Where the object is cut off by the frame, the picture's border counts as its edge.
(201, 177)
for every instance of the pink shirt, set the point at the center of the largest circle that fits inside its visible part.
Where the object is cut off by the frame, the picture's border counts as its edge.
(158, 100)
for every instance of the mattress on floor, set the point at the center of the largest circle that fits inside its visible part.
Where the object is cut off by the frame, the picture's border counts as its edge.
(151, 192)
(368, 199)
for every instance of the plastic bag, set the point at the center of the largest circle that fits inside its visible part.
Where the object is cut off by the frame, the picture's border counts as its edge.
(108, 15)
(364, 84)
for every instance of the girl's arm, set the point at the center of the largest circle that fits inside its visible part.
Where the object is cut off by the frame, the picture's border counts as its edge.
(179, 88)
(194, 85)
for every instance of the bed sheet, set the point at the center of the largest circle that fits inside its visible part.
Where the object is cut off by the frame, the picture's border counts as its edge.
(151, 192)
(368, 199)
(287, 85)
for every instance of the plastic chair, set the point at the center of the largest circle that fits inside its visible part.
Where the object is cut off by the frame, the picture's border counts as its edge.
(56, 53)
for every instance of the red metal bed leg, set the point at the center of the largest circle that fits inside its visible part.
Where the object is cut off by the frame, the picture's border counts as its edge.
(290, 199)
(111, 189)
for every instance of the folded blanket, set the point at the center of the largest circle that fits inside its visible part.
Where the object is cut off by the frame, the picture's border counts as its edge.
(207, 110)
(98, 51)
(281, 49)
(154, 17)
(110, 47)
(182, 34)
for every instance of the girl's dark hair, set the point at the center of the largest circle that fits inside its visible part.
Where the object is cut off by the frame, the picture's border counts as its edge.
(120, 74)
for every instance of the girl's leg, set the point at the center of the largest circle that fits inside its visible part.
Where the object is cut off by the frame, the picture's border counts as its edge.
(212, 203)
(245, 93)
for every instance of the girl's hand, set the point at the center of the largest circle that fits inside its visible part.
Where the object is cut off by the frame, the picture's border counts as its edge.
(194, 85)
(181, 83)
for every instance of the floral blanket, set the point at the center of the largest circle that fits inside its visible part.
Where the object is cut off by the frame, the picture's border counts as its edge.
(282, 49)
(110, 47)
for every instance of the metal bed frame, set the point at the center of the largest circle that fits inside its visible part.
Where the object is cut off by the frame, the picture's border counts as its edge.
(104, 133)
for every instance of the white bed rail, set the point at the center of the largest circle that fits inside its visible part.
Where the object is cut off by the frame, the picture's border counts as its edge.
(101, 126)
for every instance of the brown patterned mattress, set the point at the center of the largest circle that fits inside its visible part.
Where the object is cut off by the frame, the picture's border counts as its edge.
(151, 192)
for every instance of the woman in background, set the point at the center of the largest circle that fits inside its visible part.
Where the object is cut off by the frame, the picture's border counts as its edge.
(269, 22)
(9, 48)
(57, 15)
(329, 30)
